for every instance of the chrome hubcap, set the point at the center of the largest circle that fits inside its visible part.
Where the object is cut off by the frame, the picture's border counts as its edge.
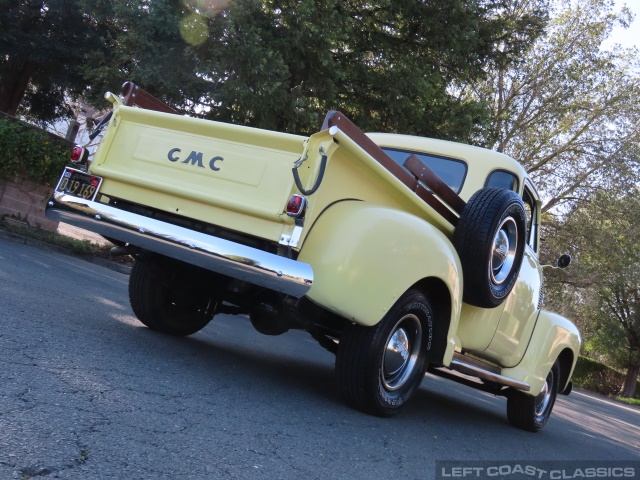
(503, 252)
(543, 400)
(401, 352)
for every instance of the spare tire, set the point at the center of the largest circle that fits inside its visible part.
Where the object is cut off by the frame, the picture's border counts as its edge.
(490, 239)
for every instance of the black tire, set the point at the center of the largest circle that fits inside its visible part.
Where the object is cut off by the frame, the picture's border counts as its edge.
(378, 379)
(532, 413)
(166, 296)
(490, 238)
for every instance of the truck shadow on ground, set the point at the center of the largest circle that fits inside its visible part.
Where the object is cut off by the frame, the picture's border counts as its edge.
(295, 367)
(291, 377)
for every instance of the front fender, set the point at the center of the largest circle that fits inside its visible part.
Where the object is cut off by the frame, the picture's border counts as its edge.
(364, 257)
(551, 336)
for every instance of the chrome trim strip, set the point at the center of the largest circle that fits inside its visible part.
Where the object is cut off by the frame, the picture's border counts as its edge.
(212, 253)
(468, 369)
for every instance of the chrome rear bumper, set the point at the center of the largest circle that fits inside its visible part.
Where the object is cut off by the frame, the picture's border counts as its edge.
(212, 253)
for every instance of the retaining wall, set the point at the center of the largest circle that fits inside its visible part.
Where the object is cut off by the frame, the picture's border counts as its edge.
(25, 201)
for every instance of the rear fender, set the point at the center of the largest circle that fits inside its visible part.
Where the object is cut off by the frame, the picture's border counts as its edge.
(364, 257)
(552, 336)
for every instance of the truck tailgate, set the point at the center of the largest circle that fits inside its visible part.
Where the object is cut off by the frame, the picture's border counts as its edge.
(233, 176)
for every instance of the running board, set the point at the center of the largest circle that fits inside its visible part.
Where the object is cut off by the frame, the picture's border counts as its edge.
(476, 371)
(463, 367)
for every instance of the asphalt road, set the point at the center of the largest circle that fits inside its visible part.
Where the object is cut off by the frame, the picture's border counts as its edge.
(86, 392)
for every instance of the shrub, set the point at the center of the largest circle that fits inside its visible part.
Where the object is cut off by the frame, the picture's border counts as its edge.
(598, 377)
(27, 151)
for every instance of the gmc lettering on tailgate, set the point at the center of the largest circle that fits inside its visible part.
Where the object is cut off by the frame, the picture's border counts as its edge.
(194, 158)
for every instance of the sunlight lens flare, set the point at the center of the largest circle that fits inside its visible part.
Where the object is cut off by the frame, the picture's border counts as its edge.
(194, 29)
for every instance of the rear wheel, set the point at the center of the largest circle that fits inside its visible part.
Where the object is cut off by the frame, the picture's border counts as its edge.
(378, 368)
(170, 296)
(531, 413)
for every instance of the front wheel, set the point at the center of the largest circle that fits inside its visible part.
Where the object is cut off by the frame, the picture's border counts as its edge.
(531, 413)
(378, 368)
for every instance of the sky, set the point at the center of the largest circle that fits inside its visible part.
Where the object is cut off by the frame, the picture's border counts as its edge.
(628, 37)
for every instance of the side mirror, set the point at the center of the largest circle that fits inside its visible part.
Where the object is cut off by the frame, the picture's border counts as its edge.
(564, 260)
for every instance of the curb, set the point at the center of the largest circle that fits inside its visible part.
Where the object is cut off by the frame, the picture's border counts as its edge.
(32, 242)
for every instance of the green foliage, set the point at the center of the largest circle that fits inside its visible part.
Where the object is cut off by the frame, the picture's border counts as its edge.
(27, 151)
(42, 45)
(146, 44)
(388, 65)
(598, 377)
(602, 288)
(630, 401)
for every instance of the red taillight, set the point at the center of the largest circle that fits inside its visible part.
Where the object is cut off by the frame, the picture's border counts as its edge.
(296, 206)
(77, 154)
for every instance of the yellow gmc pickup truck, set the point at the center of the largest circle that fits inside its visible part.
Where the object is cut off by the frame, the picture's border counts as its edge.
(399, 254)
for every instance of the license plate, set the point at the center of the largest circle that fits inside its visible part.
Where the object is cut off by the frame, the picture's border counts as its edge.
(79, 184)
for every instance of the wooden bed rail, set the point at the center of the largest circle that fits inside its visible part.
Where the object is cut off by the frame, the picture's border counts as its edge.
(437, 194)
(134, 95)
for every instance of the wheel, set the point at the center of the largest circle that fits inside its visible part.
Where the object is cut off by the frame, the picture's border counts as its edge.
(378, 368)
(490, 239)
(166, 296)
(531, 413)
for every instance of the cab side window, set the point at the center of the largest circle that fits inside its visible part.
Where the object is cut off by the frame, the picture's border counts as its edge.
(502, 179)
(451, 171)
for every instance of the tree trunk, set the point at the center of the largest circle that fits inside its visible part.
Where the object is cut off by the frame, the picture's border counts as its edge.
(14, 80)
(630, 381)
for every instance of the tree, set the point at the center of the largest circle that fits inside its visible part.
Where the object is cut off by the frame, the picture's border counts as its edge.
(148, 43)
(569, 111)
(604, 235)
(389, 65)
(55, 51)
(43, 43)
